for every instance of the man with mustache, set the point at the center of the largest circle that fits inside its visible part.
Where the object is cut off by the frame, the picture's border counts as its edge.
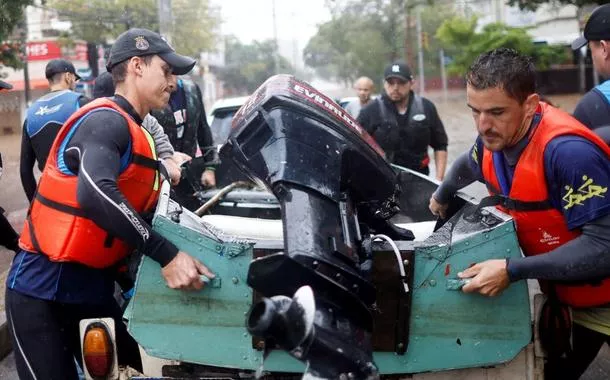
(405, 124)
(551, 174)
(102, 175)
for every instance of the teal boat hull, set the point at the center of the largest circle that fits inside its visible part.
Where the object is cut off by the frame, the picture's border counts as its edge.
(449, 329)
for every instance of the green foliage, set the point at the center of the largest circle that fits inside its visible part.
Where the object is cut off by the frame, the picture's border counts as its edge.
(102, 20)
(363, 36)
(11, 50)
(461, 41)
(249, 65)
(532, 5)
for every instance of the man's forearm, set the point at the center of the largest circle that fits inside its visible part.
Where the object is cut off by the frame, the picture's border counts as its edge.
(459, 175)
(586, 258)
(440, 161)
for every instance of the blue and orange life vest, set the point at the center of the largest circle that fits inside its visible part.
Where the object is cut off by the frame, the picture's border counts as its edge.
(56, 225)
(540, 227)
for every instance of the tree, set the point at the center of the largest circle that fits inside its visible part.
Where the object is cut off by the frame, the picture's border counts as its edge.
(532, 5)
(11, 14)
(360, 39)
(363, 36)
(249, 65)
(461, 41)
(193, 27)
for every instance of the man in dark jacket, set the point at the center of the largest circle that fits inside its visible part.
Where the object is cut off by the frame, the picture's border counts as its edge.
(184, 121)
(405, 124)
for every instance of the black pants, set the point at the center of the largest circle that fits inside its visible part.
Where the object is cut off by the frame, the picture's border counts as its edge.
(8, 236)
(586, 343)
(45, 336)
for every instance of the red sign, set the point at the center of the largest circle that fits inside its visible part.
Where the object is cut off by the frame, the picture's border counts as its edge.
(47, 50)
(43, 50)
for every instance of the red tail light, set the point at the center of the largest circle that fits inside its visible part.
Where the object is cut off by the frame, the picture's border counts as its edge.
(98, 350)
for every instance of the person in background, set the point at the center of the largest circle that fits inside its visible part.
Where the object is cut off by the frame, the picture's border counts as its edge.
(405, 124)
(44, 119)
(593, 110)
(184, 121)
(364, 88)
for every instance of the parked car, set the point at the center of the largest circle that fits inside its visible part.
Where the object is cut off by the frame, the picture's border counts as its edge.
(221, 115)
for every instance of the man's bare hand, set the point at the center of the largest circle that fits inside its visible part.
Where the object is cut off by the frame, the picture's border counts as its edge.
(438, 208)
(489, 278)
(173, 169)
(184, 272)
(208, 178)
(180, 158)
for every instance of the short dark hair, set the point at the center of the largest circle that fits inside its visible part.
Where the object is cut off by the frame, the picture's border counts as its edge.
(56, 78)
(505, 68)
(119, 71)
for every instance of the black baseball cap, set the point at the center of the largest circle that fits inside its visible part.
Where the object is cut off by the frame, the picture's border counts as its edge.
(137, 42)
(103, 86)
(597, 27)
(398, 70)
(58, 66)
(5, 86)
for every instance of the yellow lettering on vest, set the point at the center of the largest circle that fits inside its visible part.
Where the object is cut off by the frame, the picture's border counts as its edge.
(586, 191)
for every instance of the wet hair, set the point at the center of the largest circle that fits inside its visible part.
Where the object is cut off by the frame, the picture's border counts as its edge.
(119, 71)
(505, 68)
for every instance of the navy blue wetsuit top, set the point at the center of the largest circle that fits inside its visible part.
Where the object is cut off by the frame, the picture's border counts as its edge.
(97, 154)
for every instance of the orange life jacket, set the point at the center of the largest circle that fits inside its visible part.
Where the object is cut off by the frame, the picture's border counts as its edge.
(56, 225)
(540, 227)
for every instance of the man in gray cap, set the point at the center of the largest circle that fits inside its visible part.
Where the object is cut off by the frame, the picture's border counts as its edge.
(44, 118)
(406, 124)
(102, 175)
(593, 110)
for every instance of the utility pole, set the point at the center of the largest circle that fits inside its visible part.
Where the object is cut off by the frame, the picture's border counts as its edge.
(420, 52)
(498, 4)
(443, 74)
(408, 37)
(164, 10)
(582, 69)
(24, 51)
(276, 53)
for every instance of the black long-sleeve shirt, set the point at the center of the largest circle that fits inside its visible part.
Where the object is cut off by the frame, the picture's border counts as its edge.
(94, 155)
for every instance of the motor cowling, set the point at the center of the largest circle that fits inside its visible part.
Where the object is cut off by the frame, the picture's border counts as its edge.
(331, 180)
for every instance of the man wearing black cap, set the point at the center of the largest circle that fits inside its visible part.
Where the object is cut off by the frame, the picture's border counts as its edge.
(44, 118)
(8, 235)
(405, 124)
(104, 87)
(102, 174)
(593, 110)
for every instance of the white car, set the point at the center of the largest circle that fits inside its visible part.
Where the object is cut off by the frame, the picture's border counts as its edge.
(221, 116)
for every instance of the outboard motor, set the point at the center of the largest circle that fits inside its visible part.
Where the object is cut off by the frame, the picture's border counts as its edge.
(333, 185)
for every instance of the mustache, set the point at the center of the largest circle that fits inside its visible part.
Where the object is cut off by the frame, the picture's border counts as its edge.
(491, 134)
